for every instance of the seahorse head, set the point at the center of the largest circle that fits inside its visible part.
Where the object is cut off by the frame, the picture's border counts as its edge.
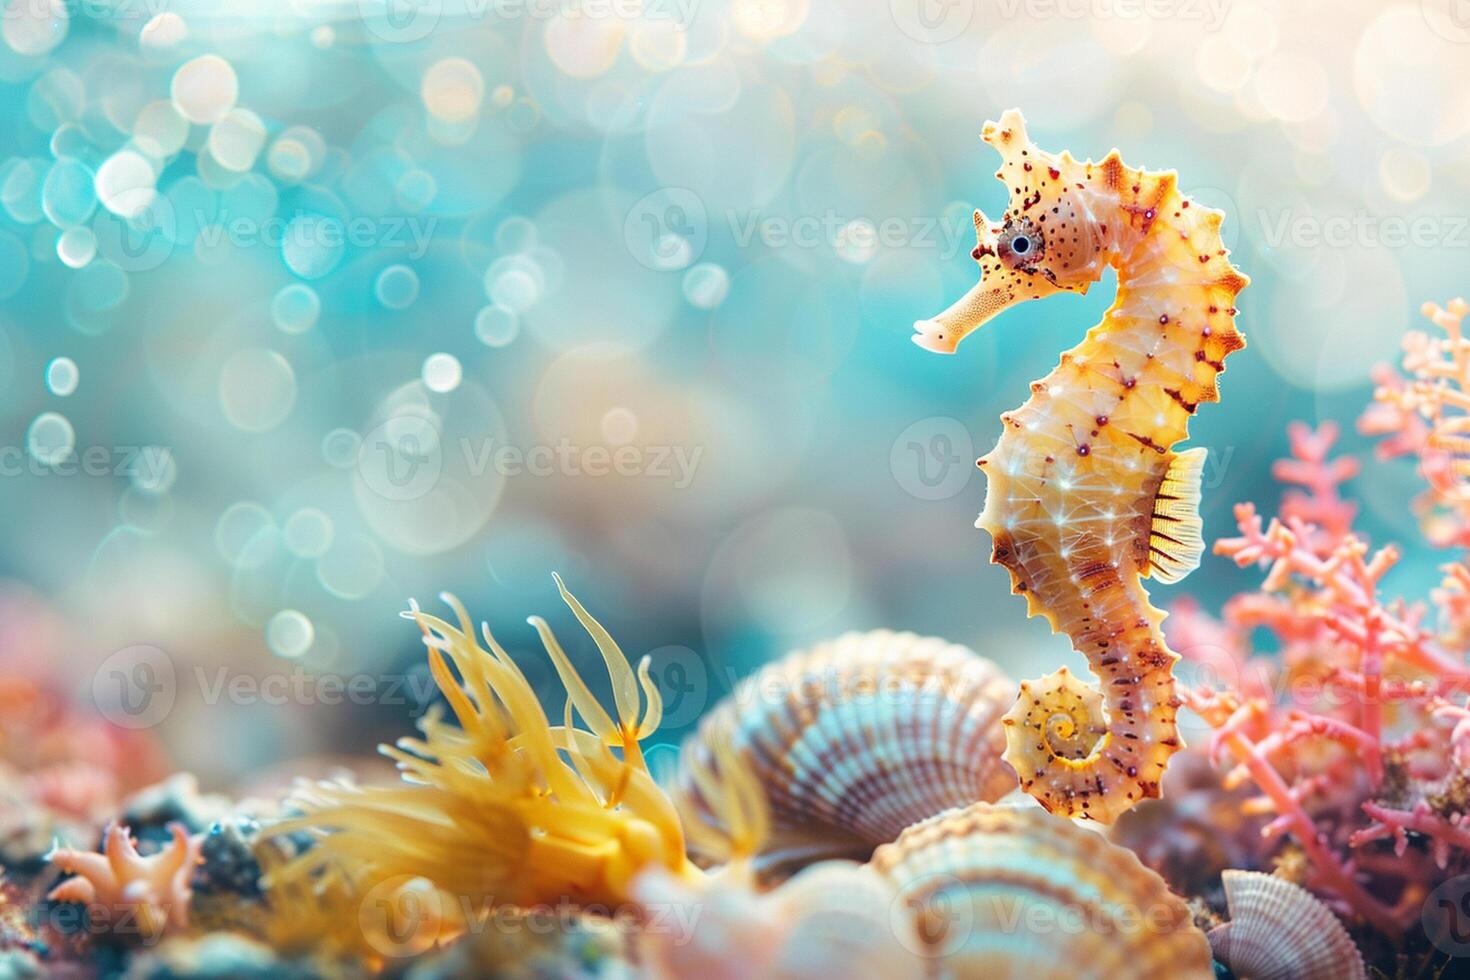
(1049, 240)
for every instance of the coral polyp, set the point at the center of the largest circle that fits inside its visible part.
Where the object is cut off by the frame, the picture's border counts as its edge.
(131, 896)
(1086, 495)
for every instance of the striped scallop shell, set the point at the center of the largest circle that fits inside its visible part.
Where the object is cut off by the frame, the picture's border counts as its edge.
(1004, 892)
(859, 737)
(1279, 931)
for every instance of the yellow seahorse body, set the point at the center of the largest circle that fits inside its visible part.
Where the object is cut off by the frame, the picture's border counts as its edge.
(1086, 496)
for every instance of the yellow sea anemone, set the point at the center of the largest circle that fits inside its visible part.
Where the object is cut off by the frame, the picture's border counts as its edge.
(502, 808)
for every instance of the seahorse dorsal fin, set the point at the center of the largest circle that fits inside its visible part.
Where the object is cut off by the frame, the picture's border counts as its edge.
(1176, 538)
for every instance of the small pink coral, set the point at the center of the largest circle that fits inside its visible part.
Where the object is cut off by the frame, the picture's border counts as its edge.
(133, 894)
(1318, 502)
(1426, 413)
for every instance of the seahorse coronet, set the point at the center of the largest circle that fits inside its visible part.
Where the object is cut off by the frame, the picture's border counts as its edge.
(1086, 496)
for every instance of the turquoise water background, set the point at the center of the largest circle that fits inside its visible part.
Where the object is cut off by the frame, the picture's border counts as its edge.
(309, 308)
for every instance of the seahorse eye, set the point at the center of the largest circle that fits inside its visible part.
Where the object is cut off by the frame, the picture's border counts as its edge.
(1020, 245)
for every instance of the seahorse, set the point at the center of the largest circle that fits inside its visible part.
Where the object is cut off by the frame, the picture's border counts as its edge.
(1086, 496)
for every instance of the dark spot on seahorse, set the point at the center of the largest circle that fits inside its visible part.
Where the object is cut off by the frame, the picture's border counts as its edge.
(1164, 318)
(1129, 382)
(1188, 406)
(1102, 420)
(1147, 441)
(1053, 172)
(1083, 449)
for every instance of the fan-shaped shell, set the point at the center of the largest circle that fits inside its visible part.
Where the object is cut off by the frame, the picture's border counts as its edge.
(1003, 892)
(1279, 931)
(857, 738)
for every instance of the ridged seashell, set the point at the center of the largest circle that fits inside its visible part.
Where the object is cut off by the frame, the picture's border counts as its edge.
(1279, 931)
(833, 919)
(1003, 892)
(859, 737)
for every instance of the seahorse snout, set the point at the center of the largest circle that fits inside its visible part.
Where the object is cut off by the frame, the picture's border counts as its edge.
(932, 335)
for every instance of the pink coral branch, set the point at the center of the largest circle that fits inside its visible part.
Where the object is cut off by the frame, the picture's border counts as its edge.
(1319, 504)
(1293, 816)
(1445, 833)
(1332, 729)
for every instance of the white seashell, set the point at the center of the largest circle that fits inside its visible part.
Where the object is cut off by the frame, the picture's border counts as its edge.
(1005, 893)
(857, 738)
(832, 920)
(1280, 931)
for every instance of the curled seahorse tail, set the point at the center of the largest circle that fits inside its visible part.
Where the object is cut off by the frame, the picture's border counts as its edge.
(1090, 753)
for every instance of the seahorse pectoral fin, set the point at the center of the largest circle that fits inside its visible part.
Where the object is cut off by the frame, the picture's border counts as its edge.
(1176, 537)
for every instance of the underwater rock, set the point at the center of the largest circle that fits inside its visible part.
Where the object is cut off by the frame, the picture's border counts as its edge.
(228, 864)
(217, 956)
(176, 799)
(534, 944)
